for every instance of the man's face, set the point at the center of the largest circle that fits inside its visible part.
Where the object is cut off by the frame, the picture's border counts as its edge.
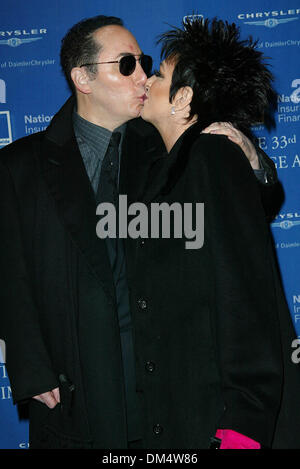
(115, 97)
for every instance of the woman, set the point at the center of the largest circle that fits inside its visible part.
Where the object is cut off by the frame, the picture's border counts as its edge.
(206, 320)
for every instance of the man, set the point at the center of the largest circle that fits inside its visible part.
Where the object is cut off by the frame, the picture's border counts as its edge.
(65, 314)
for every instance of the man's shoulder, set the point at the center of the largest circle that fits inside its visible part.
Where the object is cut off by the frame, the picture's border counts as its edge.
(21, 149)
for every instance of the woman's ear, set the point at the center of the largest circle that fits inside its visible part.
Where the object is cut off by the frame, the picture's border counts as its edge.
(183, 98)
(81, 79)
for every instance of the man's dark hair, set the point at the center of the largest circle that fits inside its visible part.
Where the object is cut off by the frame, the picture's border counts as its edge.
(228, 76)
(79, 45)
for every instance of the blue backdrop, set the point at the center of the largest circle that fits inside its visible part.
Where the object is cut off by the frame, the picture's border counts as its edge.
(32, 89)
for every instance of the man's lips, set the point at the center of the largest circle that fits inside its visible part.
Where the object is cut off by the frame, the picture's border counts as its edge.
(143, 97)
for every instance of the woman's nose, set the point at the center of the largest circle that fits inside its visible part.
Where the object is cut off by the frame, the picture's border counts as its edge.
(148, 83)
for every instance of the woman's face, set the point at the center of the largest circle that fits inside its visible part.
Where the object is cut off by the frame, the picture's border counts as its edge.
(157, 106)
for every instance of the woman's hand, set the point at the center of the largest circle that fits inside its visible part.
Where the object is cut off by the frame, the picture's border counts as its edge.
(226, 128)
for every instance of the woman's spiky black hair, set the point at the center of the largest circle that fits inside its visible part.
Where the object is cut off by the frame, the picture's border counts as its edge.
(228, 75)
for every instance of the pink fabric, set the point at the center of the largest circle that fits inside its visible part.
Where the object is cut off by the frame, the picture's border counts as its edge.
(233, 440)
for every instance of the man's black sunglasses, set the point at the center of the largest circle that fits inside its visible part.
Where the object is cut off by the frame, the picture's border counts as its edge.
(127, 64)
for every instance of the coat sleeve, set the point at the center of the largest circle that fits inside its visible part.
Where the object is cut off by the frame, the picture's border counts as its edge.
(272, 195)
(27, 361)
(243, 292)
(268, 166)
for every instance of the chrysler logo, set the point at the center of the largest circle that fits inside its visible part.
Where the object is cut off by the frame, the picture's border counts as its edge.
(15, 41)
(270, 22)
(286, 224)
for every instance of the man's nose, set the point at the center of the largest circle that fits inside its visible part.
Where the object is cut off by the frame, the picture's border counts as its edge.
(140, 75)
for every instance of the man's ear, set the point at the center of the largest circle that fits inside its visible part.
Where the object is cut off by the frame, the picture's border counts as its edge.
(81, 80)
(183, 97)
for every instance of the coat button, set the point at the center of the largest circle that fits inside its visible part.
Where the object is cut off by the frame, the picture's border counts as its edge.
(142, 243)
(142, 303)
(157, 429)
(150, 367)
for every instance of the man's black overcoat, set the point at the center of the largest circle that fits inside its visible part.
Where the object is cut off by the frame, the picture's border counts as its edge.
(58, 307)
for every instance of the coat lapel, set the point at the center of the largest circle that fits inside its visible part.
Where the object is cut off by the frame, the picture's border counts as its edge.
(141, 149)
(68, 183)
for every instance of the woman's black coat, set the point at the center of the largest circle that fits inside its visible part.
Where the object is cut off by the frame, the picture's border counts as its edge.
(210, 322)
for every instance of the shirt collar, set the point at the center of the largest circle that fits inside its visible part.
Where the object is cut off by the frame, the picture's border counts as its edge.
(94, 135)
